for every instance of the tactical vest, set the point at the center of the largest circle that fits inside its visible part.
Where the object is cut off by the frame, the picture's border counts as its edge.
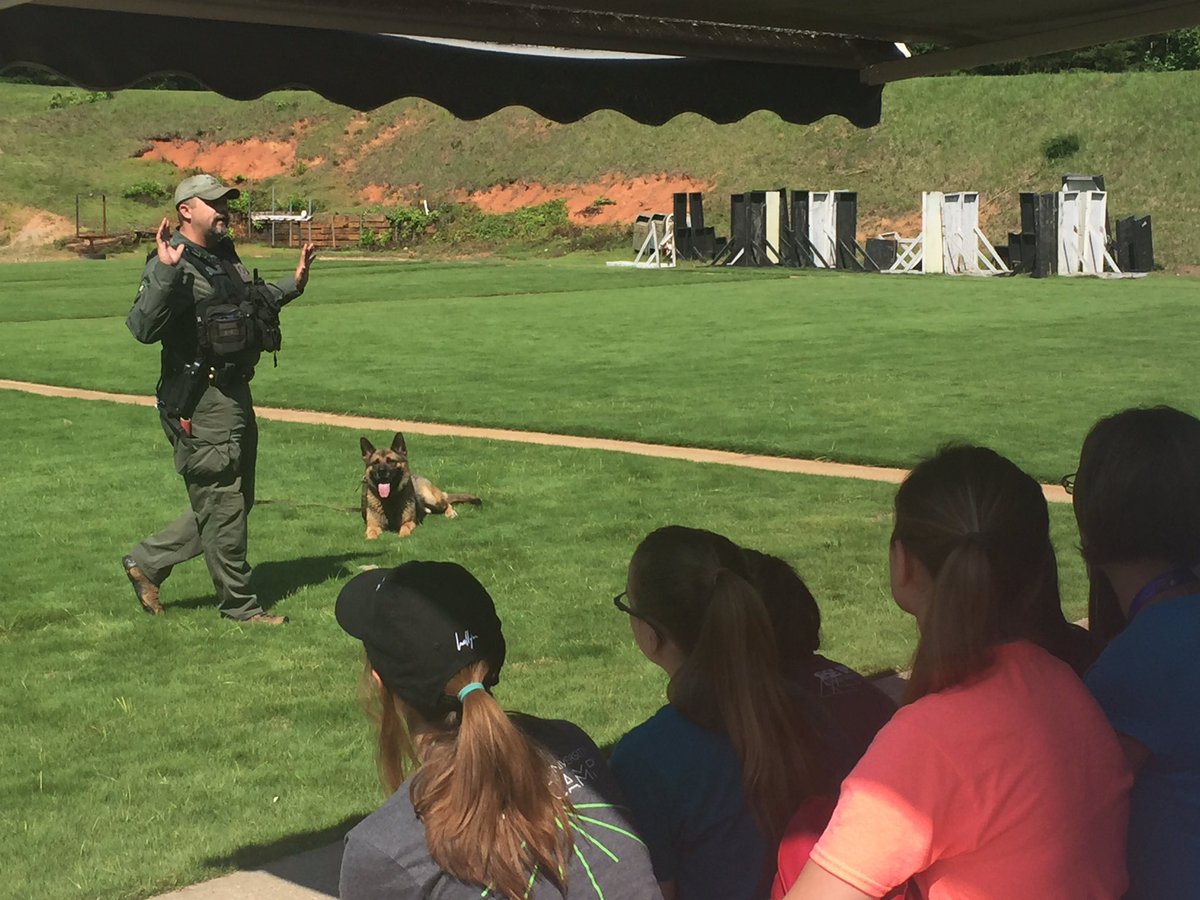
(228, 331)
(241, 316)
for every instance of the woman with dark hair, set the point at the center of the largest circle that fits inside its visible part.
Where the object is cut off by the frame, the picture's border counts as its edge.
(483, 803)
(714, 775)
(855, 706)
(999, 778)
(1137, 504)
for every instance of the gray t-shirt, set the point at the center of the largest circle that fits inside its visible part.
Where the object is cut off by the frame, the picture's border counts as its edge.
(386, 855)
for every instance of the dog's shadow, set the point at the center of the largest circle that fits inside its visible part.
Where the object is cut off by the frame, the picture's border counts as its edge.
(275, 580)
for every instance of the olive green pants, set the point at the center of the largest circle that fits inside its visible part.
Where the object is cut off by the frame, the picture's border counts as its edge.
(217, 464)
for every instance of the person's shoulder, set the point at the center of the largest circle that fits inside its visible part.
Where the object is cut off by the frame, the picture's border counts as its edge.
(557, 735)
(667, 725)
(386, 854)
(391, 826)
(1157, 646)
(1167, 622)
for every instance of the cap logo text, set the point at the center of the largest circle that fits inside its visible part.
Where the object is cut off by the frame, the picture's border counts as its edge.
(467, 640)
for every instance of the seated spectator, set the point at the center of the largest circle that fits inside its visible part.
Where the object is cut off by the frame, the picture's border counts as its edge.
(1000, 778)
(714, 775)
(856, 707)
(483, 803)
(1137, 503)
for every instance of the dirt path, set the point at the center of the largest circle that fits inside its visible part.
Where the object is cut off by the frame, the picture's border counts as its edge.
(1053, 492)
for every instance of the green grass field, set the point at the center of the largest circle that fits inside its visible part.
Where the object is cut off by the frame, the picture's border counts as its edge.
(826, 365)
(144, 754)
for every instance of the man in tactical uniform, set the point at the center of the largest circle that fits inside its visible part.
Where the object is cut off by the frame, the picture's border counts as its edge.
(214, 321)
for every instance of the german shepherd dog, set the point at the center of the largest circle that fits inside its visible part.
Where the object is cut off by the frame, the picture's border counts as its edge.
(393, 498)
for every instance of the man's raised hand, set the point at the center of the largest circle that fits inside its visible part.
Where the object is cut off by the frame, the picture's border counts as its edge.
(307, 254)
(167, 255)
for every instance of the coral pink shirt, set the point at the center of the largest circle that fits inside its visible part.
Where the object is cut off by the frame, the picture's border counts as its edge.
(1011, 786)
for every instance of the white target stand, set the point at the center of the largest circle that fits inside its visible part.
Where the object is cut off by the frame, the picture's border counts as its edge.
(657, 250)
(1082, 238)
(822, 228)
(950, 241)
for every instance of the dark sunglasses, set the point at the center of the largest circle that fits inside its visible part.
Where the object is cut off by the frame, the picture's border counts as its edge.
(1068, 482)
(619, 603)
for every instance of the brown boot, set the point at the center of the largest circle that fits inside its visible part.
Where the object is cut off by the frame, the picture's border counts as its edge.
(143, 588)
(264, 619)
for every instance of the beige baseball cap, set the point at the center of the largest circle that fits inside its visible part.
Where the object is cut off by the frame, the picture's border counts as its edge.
(206, 187)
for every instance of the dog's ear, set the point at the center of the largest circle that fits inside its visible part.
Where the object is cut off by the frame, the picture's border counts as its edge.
(367, 447)
(398, 445)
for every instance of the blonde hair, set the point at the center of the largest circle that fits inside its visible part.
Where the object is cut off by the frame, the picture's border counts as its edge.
(494, 804)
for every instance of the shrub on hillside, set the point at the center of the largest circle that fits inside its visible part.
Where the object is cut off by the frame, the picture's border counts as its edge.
(149, 192)
(525, 225)
(1060, 147)
(65, 99)
(370, 239)
(410, 223)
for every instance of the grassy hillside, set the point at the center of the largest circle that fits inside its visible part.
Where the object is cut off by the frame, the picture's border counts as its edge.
(985, 134)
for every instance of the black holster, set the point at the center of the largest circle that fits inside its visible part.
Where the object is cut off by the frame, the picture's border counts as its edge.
(179, 392)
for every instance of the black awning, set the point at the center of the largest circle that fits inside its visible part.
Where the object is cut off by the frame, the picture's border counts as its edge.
(107, 50)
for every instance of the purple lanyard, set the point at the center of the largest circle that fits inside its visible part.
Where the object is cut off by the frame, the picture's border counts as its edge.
(1159, 586)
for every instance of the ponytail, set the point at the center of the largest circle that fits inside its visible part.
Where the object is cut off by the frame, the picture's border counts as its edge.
(956, 637)
(494, 804)
(981, 528)
(731, 681)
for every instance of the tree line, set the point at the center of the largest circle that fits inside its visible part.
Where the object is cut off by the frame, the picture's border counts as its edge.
(1170, 52)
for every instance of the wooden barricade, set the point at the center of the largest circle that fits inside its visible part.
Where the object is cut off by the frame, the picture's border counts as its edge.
(329, 231)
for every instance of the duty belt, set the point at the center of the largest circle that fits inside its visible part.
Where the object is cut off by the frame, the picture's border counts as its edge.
(227, 376)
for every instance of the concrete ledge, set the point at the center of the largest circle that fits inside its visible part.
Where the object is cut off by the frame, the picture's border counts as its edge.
(312, 875)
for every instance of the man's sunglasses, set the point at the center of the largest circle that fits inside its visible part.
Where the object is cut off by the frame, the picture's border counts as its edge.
(1068, 482)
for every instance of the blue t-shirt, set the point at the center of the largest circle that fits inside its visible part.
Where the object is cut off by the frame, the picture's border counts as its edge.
(683, 784)
(1148, 683)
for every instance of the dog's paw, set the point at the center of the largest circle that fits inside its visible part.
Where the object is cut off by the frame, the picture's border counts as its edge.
(407, 528)
(373, 533)
(450, 513)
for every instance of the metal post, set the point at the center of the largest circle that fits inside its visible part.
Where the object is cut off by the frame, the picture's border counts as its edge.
(104, 207)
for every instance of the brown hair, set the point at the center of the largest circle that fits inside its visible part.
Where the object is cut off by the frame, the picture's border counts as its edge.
(493, 802)
(795, 616)
(693, 587)
(981, 527)
(1137, 496)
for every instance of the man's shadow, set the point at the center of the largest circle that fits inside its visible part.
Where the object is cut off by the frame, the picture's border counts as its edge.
(278, 579)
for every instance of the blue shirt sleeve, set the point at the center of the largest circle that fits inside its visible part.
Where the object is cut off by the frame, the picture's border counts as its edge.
(634, 766)
(1127, 684)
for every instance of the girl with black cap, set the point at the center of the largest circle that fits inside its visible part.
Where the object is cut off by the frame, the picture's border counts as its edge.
(481, 799)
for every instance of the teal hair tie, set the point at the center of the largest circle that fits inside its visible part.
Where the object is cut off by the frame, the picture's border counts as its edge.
(473, 686)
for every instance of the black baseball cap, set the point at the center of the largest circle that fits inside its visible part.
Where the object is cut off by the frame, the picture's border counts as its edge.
(420, 624)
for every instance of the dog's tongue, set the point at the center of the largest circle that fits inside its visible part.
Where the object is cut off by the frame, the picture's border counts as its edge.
(384, 490)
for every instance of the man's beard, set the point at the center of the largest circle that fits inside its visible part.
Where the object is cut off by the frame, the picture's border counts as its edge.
(218, 231)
